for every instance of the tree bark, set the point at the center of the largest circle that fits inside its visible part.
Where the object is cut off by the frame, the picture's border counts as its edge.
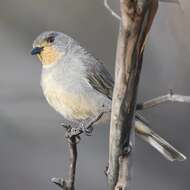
(136, 20)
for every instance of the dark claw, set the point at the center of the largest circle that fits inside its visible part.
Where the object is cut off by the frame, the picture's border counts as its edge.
(59, 182)
(87, 131)
(106, 171)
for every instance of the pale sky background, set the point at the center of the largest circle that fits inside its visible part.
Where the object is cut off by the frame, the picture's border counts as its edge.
(32, 145)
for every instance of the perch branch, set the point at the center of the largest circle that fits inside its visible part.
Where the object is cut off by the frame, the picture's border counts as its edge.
(73, 139)
(171, 97)
(68, 184)
(137, 17)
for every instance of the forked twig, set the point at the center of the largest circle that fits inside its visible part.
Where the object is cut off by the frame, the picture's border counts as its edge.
(171, 97)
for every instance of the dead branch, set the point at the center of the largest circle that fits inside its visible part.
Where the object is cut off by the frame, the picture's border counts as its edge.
(137, 17)
(171, 97)
(68, 184)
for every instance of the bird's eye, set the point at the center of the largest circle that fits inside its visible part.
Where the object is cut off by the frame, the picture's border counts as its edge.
(50, 39)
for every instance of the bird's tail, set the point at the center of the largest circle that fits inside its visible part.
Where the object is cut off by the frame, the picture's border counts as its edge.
(167, 150)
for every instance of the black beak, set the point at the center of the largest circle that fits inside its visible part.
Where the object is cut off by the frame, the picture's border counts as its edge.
(36, 50)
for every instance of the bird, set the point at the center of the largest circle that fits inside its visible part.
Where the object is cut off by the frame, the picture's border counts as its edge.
(79, 87)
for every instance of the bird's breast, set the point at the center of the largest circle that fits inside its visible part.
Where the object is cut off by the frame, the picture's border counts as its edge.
(69, 103)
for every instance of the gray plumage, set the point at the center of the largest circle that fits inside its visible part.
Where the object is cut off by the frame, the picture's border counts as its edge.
(79, 87)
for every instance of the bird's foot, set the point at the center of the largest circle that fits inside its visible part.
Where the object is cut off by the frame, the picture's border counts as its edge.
(76, 131)
(83, 127)
(86, 129)
(72, 132)
(59, 182)
(87, 126)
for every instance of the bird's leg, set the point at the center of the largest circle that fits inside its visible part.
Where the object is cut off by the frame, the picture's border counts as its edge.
(71, 130)
(84, 126)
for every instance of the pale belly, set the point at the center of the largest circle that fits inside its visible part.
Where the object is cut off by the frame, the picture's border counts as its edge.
(73, 106)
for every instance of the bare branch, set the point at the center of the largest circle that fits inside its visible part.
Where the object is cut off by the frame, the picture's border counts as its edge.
(68, 184)
(163, 99)
(110, 10)
(137, 17)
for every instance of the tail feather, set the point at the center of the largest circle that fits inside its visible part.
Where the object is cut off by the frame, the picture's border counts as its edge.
(167, 150)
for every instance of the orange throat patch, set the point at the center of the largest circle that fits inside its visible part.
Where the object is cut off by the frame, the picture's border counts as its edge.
(50, 55)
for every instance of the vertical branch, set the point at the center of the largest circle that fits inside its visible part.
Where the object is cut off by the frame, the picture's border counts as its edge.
(136, 20)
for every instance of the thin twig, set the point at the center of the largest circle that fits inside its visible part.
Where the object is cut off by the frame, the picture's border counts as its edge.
(110, 10)
(68, 184)
(163, 99)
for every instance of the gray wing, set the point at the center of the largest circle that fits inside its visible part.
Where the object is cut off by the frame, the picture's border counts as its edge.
(100, 79)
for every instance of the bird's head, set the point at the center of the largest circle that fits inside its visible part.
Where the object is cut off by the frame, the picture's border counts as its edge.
(50, 47)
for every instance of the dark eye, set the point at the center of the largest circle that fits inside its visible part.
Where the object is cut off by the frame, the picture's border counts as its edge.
(50, 39)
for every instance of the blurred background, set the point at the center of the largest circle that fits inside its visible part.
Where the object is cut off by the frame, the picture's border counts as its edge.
(32, 144)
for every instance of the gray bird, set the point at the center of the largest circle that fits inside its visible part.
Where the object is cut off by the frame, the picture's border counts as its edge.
(79, 87)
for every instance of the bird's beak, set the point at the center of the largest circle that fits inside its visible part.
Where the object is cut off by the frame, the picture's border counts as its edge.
(36, 50)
